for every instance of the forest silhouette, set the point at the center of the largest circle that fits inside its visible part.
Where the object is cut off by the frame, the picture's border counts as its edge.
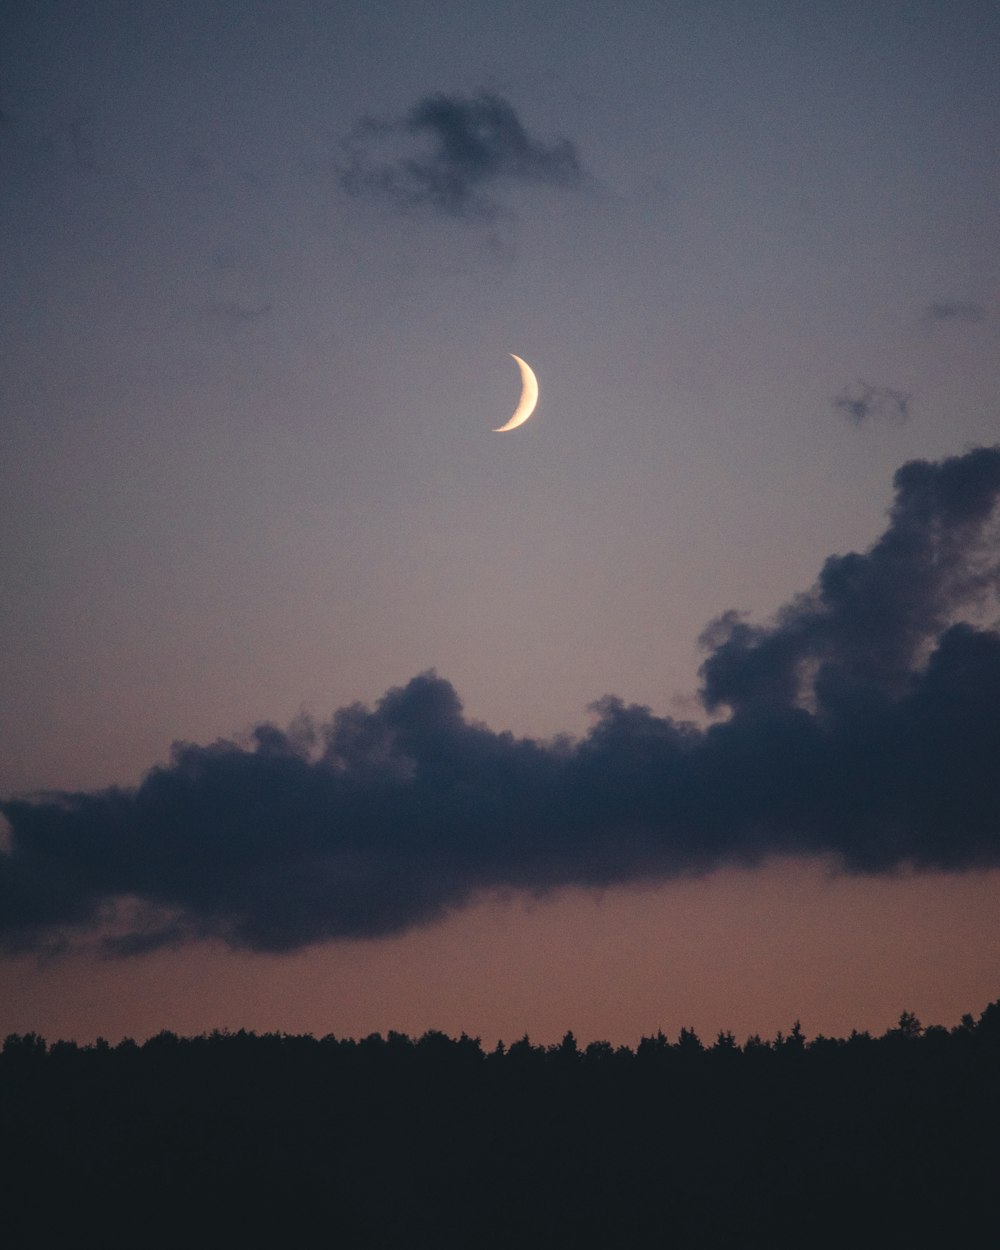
(240, 1139)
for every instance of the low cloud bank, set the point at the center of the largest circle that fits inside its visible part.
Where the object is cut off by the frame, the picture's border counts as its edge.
(862, 722)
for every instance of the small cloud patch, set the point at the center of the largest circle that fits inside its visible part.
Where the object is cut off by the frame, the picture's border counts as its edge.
(450, 155)
(863, 402)
(955, 310)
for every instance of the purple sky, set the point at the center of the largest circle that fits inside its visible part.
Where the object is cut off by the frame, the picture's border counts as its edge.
(263, 266)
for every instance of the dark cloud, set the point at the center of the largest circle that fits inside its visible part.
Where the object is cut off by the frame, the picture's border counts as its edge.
(861, 402)
(862, 723)
(450, 154)
(955, 310)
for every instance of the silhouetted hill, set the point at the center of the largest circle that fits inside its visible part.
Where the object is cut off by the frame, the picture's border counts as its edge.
(237, 1139)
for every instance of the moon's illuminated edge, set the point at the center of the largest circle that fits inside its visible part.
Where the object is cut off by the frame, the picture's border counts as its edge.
(528, 400)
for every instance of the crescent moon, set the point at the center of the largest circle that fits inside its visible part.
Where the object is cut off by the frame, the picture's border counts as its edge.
(529, 397)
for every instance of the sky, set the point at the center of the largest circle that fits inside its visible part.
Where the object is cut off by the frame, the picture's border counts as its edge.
(328, 709)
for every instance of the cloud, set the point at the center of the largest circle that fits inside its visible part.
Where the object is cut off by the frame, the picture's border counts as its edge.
(450, 154)
(955, 310)
(862, 401)
(861, 723)
(233, 310)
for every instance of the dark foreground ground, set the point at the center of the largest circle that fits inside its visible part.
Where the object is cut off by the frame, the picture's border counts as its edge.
(244, 1140)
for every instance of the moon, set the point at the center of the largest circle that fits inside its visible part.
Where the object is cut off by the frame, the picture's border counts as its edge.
(529, 397)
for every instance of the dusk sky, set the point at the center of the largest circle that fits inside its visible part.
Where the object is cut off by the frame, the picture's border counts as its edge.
(326, 708)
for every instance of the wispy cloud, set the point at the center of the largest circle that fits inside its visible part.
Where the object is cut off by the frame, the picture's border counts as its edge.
(452, 154)
(862, 402)
(233, 310)
(955, 310)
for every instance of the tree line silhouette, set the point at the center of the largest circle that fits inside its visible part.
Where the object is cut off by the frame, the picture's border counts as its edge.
(235, 1138)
